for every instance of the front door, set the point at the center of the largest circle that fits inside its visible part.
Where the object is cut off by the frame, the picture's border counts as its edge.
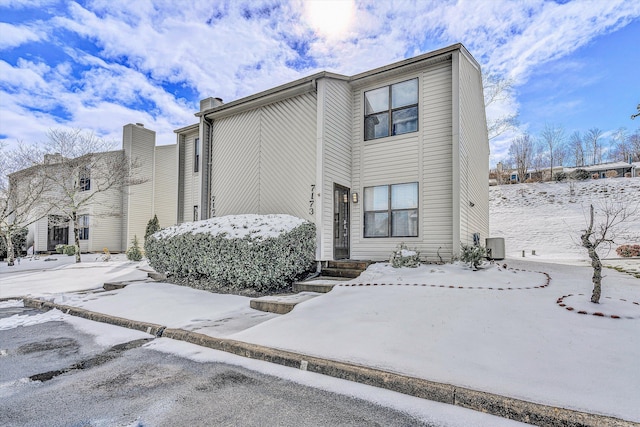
(340, 222)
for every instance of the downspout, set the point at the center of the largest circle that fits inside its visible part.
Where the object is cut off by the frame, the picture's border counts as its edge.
(206, 172)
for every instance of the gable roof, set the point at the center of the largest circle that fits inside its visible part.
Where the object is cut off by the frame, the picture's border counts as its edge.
(308, 84)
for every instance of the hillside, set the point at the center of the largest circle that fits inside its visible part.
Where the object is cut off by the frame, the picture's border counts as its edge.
(547, 217)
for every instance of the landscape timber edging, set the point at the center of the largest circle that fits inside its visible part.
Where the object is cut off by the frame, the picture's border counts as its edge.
(490, 403)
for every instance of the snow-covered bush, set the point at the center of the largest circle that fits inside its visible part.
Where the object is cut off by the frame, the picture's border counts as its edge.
(69, 250)
(473, 255)
(60, 249)
(134, 253)
(404, 257)
(259, 252)
(628, 251)
(19, 240)
(581, 174)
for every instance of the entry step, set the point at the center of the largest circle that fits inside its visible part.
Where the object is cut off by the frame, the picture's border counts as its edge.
(321, 284)
(281, 304)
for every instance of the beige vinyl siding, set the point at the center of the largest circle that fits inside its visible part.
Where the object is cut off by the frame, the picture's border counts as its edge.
(474, 155)
(336, 152)
(166, 185)
(105, 223)
(139, 146)
(263, 160)
(423, 157)
(437, 220)
(191, 180)
(288, 156)
(41, 235)
(236, 164)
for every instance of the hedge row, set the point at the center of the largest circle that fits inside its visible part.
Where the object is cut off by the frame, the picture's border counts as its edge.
(262, 264)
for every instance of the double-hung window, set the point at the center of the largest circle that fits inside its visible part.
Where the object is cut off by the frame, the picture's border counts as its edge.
(391, 210)
(391, 110)
(83, 227)
(85, 179)
(196, 156)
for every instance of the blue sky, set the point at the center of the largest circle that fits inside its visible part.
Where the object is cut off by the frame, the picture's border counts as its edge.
(101, 64)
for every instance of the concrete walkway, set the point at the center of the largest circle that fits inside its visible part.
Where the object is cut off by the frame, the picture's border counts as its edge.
(494, 404)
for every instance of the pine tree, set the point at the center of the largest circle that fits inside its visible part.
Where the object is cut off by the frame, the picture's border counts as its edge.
(134, 253)
(152, 226)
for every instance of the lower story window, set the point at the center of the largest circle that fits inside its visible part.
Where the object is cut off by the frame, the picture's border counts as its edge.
(83, 227)
(391, 210)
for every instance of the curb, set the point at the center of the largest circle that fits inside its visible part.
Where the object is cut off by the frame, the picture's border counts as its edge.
(493, 404)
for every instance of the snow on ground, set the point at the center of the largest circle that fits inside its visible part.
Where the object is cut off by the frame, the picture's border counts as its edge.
(173, 306)
(39, 277)
(518, 343)
(237, 226)
(547, 217)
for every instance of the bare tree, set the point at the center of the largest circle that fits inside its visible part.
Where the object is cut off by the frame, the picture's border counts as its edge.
(496, 89)
(620, 141)
(633, 116)
(591, 140)
(634, 145)
(577, 148)
(86, 179)
(21, 190)
(603, 232)
(553, 139)
(521, 152)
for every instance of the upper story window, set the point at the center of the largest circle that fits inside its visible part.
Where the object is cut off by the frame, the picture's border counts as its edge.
(196, 157)
(391, 110)
(391, 210)
(85, 179)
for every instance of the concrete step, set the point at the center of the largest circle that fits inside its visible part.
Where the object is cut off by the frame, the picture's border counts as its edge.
(281, 304)
(341, 272)
(321, 284)
(349, 264)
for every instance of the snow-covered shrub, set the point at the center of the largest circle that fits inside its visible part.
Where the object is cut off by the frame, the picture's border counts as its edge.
(404, 257)
(473, 255)
(259, 252)
(628, 251)
(581, 175)
(134, 253)
(611, 174)
(560, 176)
(69, 250)
(60, 249)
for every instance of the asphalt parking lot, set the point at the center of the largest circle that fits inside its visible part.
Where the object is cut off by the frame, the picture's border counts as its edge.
(52, 374)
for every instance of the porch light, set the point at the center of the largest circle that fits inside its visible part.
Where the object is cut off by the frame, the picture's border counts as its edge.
(354, 197)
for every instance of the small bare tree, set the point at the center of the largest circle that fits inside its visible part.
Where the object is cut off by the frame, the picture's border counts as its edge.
(21, 188)
(86, 179)
(602, 232)
(553, 138)
(521, 154)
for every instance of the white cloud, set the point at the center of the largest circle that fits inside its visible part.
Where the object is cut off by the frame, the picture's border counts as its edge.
(16, 35)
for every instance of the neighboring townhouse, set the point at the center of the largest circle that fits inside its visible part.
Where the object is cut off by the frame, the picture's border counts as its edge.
(113, 217)
(398, 154)
(622, 169)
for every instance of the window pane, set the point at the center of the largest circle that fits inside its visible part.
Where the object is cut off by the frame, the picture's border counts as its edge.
(376, 126)
(376, 100)
(376, 224)
(404, 196)
(405, 93)
(376, 198)
(404, 223)
(404, 121)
